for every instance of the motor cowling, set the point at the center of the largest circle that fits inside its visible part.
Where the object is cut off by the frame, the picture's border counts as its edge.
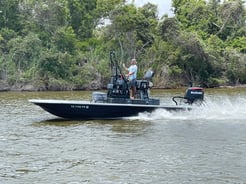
(99, 97)
(194, 94)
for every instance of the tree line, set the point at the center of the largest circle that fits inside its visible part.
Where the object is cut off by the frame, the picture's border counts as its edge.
(65, 44)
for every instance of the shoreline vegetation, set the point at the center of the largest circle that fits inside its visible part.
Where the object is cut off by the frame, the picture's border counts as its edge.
(60, 45)
(31, 88)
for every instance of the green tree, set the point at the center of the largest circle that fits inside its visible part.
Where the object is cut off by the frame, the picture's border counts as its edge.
(22, 56)
(104, 9)
(65, 40)
(82, 14)
(191, 57)
(10, 15)
(232, 19)
(54, 43)
(193, 15)
(49, 14)
(132, 29)
(53, 63)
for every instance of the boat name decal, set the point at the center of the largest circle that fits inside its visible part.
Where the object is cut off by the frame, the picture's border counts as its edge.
(80, 106)
(196, 92)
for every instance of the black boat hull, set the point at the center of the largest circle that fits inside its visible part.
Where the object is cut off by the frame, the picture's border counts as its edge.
(87, 110)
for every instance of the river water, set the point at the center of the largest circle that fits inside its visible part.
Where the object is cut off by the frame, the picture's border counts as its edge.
(207, 145)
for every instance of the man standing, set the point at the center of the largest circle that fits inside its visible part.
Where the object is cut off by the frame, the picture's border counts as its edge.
(132, 76)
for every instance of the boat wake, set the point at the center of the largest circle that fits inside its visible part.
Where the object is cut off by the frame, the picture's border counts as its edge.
(215, 108)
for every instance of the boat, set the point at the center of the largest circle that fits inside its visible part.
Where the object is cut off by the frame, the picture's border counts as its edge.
(116, 102)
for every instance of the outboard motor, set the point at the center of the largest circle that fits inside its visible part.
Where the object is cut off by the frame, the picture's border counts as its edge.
(192, 95)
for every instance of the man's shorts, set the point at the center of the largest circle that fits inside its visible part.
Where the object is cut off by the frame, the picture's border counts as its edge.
(133, 83)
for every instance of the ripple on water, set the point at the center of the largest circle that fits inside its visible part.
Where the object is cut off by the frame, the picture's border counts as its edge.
(202, 146)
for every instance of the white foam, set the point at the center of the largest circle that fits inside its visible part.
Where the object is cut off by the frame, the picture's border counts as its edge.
(219, 108)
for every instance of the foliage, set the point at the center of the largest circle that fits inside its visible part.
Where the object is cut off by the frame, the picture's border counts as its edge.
(60, 44)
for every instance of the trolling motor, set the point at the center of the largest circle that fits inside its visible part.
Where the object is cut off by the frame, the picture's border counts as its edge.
(193, 95)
